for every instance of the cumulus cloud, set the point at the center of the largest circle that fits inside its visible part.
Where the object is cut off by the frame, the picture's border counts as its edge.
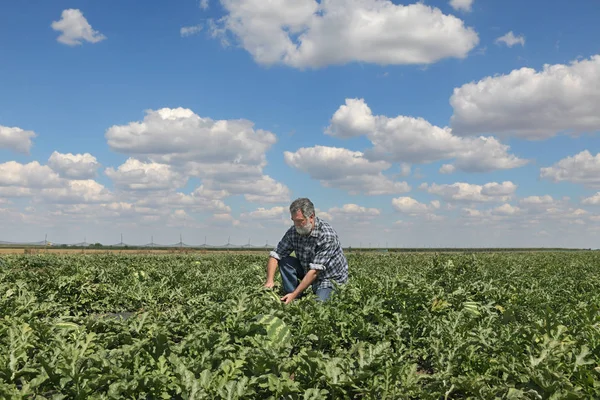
(176, 136)
(74, 166)
(264, 217)
(409, 205)
(532, 212)
(582, 168)
(414, 140)
(308, 33)
(416, 209)
(529, 104)
(78, 191)
(15, 191)
(468, 192)
(353, 212)
(447, 169)
(226, 154)
(31, 175)
(505, 209)
(536, 201)
(136, 175)
(200, 200)
(42, 184)
(16, 139)
(75, 28)
(273, 213)
(263, 190)
(345, 169)
(592, 200)
(462, 5)
(190, 30)
(510, 39)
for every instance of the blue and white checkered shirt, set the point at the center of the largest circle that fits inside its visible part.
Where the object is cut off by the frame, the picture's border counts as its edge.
(321, 250)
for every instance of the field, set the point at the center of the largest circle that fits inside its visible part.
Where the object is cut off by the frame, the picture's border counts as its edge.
(200, 326)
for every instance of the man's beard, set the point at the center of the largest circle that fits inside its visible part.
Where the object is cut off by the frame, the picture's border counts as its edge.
(304, 230)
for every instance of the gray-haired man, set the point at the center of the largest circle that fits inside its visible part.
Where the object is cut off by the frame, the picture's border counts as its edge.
(319, 261)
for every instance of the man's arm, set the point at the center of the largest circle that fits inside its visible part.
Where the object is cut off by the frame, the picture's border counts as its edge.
(308, 279)
(271, 269)
(283, 249)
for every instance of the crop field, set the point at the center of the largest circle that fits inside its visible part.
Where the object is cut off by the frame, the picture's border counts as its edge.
(201, 326)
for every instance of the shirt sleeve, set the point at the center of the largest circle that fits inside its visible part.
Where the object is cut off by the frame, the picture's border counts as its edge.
(324, 253)
(284, 247)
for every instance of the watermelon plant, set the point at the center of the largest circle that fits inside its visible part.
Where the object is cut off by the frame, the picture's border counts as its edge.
(406, 326)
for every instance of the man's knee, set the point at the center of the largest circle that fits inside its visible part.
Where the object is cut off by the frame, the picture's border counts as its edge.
(324, 294)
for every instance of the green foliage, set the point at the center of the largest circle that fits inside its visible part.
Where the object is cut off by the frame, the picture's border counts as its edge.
(407, 326)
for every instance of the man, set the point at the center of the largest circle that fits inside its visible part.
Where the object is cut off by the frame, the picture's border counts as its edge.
(319, 260)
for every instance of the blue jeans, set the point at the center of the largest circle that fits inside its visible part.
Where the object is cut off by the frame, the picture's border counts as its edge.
(291, 275)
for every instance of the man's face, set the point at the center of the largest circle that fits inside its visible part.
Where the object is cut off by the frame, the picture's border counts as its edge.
(303, 225)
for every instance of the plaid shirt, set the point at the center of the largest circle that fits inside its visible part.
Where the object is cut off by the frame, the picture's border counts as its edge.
(321, 250)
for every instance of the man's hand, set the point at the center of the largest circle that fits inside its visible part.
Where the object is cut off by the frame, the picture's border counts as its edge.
(288, 298)
(309, 278)
(269, 284)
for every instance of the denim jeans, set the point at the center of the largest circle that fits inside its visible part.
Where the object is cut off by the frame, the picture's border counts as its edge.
(291, 275)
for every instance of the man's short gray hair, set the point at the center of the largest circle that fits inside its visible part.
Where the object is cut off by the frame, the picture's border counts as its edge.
(303, 204)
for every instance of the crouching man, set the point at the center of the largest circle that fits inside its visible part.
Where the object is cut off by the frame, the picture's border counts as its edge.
(319, 261)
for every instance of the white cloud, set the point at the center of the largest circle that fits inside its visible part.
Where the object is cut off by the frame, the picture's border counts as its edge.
(78, 191)
(74, 28)
(179, 136)
(136, 175)
(74, 166)
(353, 211)
(307, 33)
(223, 219)
(529, 104)
(226, 154)
(179, 215)
(16, 139)
(463, 5)
(405, 169)
(14, 191)
(409, 205)
(447, 169)
(505, 209)
(537, 200)
(200, 200)
(542, 213)
(190, 30)
(210, 194)
(352, 119)
(274, 213)
(31, 175)
(414, 140)
(204, 4)
(462, 191)
(592, 200)
(262, 190)
(345, 169)
(510, 39)
(582, 168)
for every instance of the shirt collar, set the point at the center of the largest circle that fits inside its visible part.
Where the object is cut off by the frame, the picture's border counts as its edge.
(316, 229)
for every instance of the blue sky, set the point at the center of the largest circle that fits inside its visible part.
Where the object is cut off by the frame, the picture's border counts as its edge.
(438, 123)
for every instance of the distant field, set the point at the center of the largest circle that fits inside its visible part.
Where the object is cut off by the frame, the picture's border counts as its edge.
(407, 326)
(191, 250)
(52, 250)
